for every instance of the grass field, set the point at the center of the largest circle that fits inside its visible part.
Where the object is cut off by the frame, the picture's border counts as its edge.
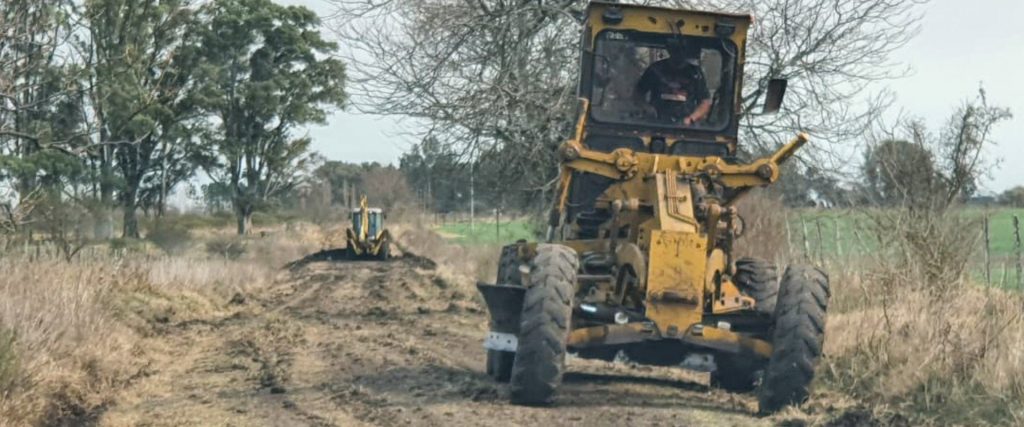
(842, 231)
(488, 233)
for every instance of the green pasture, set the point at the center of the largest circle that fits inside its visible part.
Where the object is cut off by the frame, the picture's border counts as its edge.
(841, 231)
(489, 232)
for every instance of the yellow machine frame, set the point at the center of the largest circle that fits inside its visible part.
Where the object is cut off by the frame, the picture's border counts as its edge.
(686, 278)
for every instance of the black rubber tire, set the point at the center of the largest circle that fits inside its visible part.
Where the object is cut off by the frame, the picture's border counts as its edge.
(797, 340)
(385, 251)
(544, 328)
(737, 373)
(499, 365)
(508, 266)
(758, 279)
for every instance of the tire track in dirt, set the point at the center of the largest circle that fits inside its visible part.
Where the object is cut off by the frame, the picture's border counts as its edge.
(392, 343)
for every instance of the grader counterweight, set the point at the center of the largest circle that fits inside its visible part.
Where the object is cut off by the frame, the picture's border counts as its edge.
(638, 259)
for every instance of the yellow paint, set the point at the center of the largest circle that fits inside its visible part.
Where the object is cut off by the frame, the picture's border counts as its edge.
(720, 338)
(610, 335)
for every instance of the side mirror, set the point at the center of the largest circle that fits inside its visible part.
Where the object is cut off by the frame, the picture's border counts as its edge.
(775, 93)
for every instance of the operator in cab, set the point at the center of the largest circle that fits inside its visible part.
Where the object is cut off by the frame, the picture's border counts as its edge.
(675, 87)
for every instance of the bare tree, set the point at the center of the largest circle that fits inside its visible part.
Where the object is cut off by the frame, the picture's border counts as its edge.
(483, 77)
(921, 229)
(832, 52)
(498, 76)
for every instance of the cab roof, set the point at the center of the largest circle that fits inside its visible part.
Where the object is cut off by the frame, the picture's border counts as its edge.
(636, 7)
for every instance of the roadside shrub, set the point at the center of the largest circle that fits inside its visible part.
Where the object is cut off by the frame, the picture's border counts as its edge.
(226, 247)
(122, 246)
(764, 227)
(172, 239)
(193, 221)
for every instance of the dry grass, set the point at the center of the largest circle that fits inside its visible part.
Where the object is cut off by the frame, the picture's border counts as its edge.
(69, 347)
(934, 358)
(466, 263)
(70, 332)
(912, 336)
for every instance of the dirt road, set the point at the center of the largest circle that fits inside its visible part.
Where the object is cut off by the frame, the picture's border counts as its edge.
(370, 343)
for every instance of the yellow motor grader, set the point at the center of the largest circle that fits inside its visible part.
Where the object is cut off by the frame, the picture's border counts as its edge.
(638, 259)
(367, 238)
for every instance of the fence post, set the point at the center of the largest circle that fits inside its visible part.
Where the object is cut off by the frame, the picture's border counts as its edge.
(988, 255)
(1016, 250)
(839, 241)
(1002, 281)
(789, 236)
(807, 246)
(821, 249)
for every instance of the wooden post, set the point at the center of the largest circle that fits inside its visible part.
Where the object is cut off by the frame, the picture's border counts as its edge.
(821, 250)
(1016, 250)
(807, 246)
(1002, 281)
(839, 241)
(988, 255)
(789, 236)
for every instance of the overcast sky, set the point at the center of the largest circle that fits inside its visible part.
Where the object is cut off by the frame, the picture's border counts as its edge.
(961, 46)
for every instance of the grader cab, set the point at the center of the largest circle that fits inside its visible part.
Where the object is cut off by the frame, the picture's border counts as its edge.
(638, 259)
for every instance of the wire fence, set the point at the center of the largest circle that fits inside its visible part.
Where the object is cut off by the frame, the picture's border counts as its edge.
(834, 237)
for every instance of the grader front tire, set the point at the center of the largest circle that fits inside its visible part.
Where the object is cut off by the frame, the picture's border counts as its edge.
(544, 328)
(759, 279)
(797, 339)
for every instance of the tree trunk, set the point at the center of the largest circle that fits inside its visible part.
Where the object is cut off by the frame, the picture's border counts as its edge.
(131, 223)
(129, 202)
(104, 227)
(244, 217)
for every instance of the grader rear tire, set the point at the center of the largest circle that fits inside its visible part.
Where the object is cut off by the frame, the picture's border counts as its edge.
(508, 266)
(758, 279)
(544, 328)
(797, 339)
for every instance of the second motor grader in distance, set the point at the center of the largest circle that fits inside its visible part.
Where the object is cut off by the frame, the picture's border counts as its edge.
(367, 238)
(639, 253)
